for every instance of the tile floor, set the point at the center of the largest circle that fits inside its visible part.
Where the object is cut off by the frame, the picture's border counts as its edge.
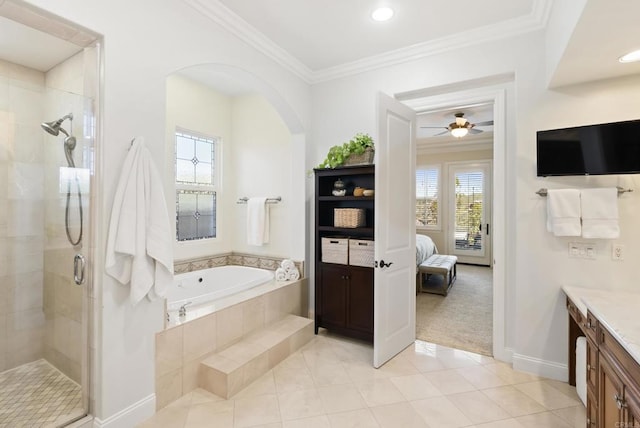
(330, 382)
(38, 395)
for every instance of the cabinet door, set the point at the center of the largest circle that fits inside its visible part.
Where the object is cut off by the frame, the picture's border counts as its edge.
(334, 294)
(592, 365)
(610, 413)
(592, 411)
(632, 403)
(360, 300)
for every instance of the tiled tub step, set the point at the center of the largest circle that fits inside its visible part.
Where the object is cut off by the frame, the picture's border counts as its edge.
(227, 372)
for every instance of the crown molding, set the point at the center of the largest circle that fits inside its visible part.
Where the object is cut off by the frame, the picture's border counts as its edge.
(237, 26)
(535, 21)
(219, 13)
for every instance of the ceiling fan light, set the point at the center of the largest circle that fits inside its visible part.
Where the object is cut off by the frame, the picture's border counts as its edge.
(459, 132)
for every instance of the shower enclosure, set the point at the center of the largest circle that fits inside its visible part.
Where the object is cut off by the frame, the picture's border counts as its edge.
(45, 231)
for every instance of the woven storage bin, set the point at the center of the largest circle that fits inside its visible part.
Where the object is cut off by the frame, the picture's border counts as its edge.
(335, 250)
(361, 159)
(361, 252)
(348, 217)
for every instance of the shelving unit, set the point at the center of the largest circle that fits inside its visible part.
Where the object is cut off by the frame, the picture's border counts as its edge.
(343, 293)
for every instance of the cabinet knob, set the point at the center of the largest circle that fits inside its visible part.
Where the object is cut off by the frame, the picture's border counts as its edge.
(619, 402)
(590, 367)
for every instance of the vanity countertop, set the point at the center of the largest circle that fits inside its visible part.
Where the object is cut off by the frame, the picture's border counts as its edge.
(616, 310)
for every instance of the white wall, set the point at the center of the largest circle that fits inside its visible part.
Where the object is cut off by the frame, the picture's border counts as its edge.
(262, 166)
(144, 42)
(200, 109)
(256, 161)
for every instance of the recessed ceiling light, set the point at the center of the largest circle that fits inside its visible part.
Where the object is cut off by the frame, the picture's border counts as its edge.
(382, 14)
(630, 57)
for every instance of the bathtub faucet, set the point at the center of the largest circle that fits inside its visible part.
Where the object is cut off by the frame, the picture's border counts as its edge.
(183, 310)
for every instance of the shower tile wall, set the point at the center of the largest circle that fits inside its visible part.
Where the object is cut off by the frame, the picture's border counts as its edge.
(40, 306)
(22, 236)
(62, 297)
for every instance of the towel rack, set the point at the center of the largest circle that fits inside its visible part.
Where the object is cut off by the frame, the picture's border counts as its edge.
(621, 190)
(275, 200)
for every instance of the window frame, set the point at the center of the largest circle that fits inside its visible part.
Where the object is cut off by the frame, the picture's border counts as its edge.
(439, 188)
(216, 187)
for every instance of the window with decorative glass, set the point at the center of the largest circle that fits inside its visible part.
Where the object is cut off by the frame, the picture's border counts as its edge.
(197, 185)
(428, 197)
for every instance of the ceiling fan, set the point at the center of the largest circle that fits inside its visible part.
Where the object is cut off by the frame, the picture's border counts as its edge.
(461, 126)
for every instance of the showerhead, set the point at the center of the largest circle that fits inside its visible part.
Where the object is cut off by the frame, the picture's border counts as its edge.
(55, 127)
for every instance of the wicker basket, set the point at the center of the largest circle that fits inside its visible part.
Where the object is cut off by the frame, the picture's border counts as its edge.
(361, 252)
(335, 250)
(361, 159)
(348, 217)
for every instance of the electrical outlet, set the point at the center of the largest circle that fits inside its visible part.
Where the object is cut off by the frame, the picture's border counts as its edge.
(617, 252)
(582, 250)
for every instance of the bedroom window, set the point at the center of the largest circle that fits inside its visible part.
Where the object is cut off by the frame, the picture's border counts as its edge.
(197, 185)
(428, 197)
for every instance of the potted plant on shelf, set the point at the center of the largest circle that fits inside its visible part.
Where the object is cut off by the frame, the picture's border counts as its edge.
(357, 151)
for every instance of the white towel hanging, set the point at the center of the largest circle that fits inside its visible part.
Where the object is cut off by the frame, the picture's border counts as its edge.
(257, 221)
(563, 212)
(600, 213)
(140, 243)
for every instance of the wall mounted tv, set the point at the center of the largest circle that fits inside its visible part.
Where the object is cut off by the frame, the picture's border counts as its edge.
(608, 148)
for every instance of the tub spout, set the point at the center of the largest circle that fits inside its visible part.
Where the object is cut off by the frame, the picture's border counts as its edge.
(183, 310)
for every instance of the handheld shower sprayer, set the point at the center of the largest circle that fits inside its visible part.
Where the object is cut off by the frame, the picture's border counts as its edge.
(55, 128)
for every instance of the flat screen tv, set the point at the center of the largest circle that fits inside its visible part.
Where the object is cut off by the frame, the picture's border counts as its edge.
(608, 148)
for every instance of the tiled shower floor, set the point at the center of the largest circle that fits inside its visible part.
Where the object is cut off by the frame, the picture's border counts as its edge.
(37, 395)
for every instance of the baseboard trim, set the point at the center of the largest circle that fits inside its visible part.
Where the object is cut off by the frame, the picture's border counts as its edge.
(539, 367)
(131, 416)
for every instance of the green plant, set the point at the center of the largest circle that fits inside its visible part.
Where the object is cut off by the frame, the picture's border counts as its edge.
(338, 154)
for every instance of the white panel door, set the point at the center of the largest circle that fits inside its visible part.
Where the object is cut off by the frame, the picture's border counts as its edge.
(395, 249)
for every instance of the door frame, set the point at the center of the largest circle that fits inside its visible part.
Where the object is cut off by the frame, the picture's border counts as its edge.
(486, 215)
(493, 89)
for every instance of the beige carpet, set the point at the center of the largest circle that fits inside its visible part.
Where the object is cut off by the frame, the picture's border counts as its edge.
(464, 318)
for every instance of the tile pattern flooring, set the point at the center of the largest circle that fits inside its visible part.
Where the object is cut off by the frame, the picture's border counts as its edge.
(330, 383)
(37, 395)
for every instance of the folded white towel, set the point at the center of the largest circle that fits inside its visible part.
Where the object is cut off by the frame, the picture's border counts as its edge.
(281, 275)
(600, 213)
(288, 265)
(563, 212)
(294, 275)
(139, 241)
(257, 221)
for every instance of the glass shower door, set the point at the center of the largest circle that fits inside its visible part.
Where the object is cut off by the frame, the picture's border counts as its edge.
(43, 312)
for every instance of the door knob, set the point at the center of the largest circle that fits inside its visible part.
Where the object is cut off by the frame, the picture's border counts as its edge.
(383, 264)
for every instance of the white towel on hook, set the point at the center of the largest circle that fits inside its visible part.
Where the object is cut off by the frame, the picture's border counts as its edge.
(257, 221)
(600, 213)
(563, 212)
(140, 241)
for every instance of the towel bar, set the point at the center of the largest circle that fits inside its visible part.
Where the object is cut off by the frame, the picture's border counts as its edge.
(275, 200)
(621, 190)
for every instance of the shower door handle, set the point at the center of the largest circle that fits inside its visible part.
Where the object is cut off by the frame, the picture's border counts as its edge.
(78, 268)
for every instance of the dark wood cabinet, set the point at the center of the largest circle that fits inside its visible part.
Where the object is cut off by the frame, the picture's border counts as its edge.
(613, 375)
(343, 292)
